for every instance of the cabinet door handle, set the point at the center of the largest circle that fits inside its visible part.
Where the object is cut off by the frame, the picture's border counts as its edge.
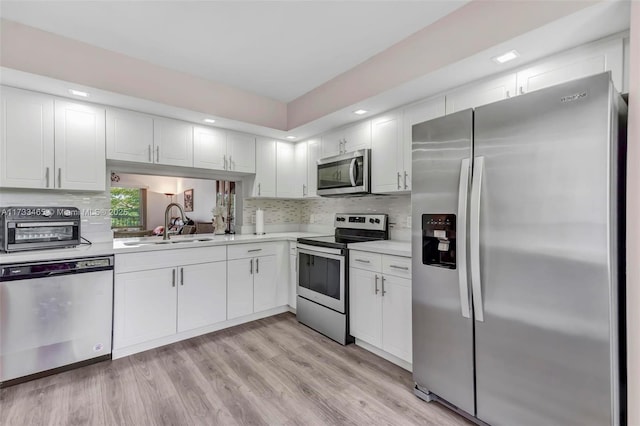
(304, 190)
(404, 268)
(405, 180)
(259, 189)
(59, 177)
(173, 278)
(382, 280)
(362, 260)
(254, 250)
(522, 90)
(251, 266)
(398, 180)
(46, 175)
(149, 150)
(181, 276)
(158, 154)
(344, 145)
(376, 284)
(224, 160)
(230, 163)
(257, 265)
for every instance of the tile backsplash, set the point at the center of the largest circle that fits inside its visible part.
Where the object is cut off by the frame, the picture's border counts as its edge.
(94, 207)
(320, 212)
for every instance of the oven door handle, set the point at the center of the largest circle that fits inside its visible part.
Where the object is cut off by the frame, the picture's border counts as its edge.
(319, 251)
(352, 169)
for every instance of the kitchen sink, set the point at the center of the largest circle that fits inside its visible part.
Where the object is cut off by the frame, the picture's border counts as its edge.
(146, 243)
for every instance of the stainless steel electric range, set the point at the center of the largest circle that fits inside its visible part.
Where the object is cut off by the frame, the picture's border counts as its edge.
(323, 279)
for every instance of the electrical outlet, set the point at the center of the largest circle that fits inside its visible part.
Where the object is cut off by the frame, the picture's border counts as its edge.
(409, 221)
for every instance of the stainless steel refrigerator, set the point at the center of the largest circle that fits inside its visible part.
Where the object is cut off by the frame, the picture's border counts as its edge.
(517, 211)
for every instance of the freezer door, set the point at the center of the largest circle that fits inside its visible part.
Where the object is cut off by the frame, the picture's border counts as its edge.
(546, 348)
(442, 336)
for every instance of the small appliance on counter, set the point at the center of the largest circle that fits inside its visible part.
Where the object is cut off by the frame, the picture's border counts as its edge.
(323, 273)
(37, 228)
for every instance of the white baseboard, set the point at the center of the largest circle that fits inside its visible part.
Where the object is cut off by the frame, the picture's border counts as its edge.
(156, 343)
(386, 355)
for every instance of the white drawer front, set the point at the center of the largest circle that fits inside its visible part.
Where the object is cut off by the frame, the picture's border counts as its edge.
(365, 260)
(130, 262)
(397, 266)
(241, 251)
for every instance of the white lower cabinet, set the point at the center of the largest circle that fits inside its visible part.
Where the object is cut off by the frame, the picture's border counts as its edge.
(252, 285)
(252, 279)
(380, 302)
(144, 306)
(159, 294)
(202, 295)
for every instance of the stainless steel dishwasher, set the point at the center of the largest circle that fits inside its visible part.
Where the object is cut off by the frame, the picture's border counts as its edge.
(54, 316)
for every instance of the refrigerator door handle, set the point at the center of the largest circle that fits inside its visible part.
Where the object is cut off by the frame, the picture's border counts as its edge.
(474, 237)
(463, 195)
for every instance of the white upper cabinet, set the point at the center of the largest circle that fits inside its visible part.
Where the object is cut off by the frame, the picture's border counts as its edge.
(481, 93)
(581, 62)
(26, 139)
(264, 184)
(79, 146)
(313, 155)
(387, 157)
(286, 185)
(346, 139)
(34, 155)
(129, 136)
(209, 148)
(132, 136)
(300, 164)
(218, 149)
(241, 149)
(173, 142)
(414, 114)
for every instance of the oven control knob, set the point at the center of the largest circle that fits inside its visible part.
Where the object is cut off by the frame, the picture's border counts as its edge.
(370, 220)
(377, 220)
(66, 213)
(340, 219)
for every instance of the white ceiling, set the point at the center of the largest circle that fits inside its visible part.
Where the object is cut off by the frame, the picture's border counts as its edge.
(277, 49)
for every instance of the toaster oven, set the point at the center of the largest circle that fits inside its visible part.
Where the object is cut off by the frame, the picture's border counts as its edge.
(37, 228)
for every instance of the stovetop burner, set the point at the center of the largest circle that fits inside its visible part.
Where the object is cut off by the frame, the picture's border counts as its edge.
(352, 228)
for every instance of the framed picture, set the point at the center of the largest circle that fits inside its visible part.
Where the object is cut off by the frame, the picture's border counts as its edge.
(188, 200)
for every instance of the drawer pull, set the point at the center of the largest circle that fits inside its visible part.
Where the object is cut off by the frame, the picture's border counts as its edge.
(253, 250)
(404, 268)
(362, 260)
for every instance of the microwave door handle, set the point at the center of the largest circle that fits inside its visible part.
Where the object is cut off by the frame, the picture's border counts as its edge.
(352, 169)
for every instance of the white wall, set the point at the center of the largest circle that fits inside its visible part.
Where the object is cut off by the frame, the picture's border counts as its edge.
(204, 197)
(633, 223)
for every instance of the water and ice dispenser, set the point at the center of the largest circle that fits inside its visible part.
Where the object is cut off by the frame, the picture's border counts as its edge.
(439, 240)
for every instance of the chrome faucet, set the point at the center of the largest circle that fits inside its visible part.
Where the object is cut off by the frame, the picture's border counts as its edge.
(165, 235)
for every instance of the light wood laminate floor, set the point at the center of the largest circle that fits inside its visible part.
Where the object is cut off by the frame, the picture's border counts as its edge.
(268, 372)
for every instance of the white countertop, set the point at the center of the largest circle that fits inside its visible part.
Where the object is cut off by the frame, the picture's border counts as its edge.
(85, 250)
(132, 245)
(395, 248)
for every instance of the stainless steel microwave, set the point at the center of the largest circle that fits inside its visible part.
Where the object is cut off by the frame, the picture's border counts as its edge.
(37, 228)
(345, 174)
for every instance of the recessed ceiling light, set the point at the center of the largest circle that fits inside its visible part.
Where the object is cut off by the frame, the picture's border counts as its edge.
(360, 111)
(506, 57)
(80, 93)
(291, 137)
(209, 120)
